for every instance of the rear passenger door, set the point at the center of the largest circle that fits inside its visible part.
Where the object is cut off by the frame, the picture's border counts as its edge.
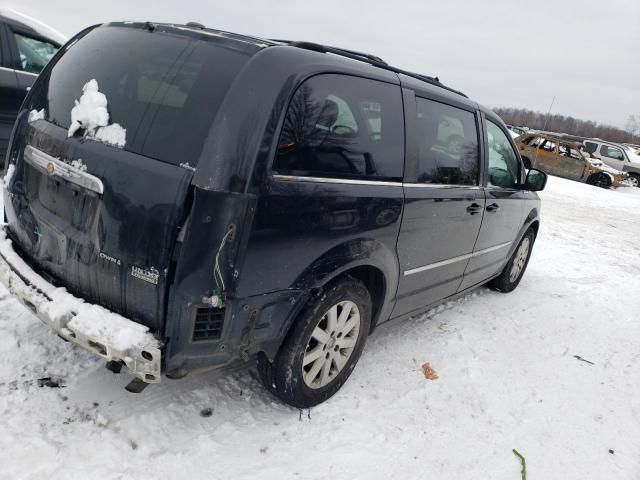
(505, 210)
(571, 165)
(334, 195)
(444, 202)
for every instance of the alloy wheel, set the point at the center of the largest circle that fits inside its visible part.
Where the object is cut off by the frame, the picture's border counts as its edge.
(520, 259)
(331, 344)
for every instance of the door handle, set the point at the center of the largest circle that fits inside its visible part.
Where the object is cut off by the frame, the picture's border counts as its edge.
(474, 208)
(494, 207)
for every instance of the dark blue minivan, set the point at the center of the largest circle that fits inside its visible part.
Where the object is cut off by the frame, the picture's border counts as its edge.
(207, 198)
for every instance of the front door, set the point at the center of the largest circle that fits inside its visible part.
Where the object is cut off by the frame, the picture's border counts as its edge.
(544, 155)
(612, 156)
(570, 163)
(504, 213)
(444, 203)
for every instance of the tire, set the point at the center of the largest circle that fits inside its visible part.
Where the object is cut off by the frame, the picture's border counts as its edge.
(510, 277)
(634, 178)
(601, 180)
(304, 386)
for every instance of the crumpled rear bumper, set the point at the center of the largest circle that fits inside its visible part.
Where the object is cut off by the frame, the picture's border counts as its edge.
(94, 328)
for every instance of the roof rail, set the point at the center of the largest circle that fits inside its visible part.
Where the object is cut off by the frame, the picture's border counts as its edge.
(335, 50)
(196, 25)
(367, 58)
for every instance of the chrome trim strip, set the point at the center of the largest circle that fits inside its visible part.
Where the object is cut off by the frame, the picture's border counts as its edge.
(53, 167)
(26, 73)
(437, 264)
(18, 71)
(348, 181)
(295, 178)
(456, 259)
(491, 249)
(440, 185)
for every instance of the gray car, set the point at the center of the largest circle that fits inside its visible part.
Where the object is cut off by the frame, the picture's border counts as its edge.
(615, 156)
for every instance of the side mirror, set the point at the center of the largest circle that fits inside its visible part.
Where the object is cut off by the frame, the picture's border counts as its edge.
(536, 180)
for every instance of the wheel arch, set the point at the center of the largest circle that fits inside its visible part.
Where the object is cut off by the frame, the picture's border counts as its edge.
(376, 283)
(531, 222)
(370, 261)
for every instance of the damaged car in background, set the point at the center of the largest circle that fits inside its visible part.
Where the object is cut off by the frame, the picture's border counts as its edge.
(563, 158)
(180, 198)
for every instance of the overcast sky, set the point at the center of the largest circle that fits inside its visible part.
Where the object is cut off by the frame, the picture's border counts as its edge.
(515, 53)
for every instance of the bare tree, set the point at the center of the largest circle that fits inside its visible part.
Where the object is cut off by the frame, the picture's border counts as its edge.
(632, 126)
(566, 124)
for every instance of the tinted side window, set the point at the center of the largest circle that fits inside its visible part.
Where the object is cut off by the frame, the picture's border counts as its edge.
(341, 126)
(34, 53)
(448, 144)
(590, 147)
(503, 161)
(610, 152)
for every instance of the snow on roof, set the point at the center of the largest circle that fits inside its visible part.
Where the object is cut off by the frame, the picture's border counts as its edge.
(36, 25)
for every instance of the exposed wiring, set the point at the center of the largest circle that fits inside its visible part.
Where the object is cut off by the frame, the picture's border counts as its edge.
(217, 273)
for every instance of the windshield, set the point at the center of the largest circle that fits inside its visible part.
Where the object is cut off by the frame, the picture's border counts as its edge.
(162, 87)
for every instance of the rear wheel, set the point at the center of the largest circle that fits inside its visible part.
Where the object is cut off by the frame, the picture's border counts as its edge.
(634, 179)
(323, 346)
(601, 180)
(510, 277)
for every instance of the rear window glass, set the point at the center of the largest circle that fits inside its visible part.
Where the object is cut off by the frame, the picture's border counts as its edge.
(345, 127)
(163, 88)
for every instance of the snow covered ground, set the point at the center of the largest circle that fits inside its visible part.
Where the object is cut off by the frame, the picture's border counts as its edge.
(508, 378)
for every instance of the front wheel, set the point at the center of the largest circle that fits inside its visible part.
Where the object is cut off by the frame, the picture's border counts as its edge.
(323, 346)
(510, 277)
(601, 180)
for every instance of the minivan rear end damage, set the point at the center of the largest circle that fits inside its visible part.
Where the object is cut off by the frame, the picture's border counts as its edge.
(99, 190)
(96, 329)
